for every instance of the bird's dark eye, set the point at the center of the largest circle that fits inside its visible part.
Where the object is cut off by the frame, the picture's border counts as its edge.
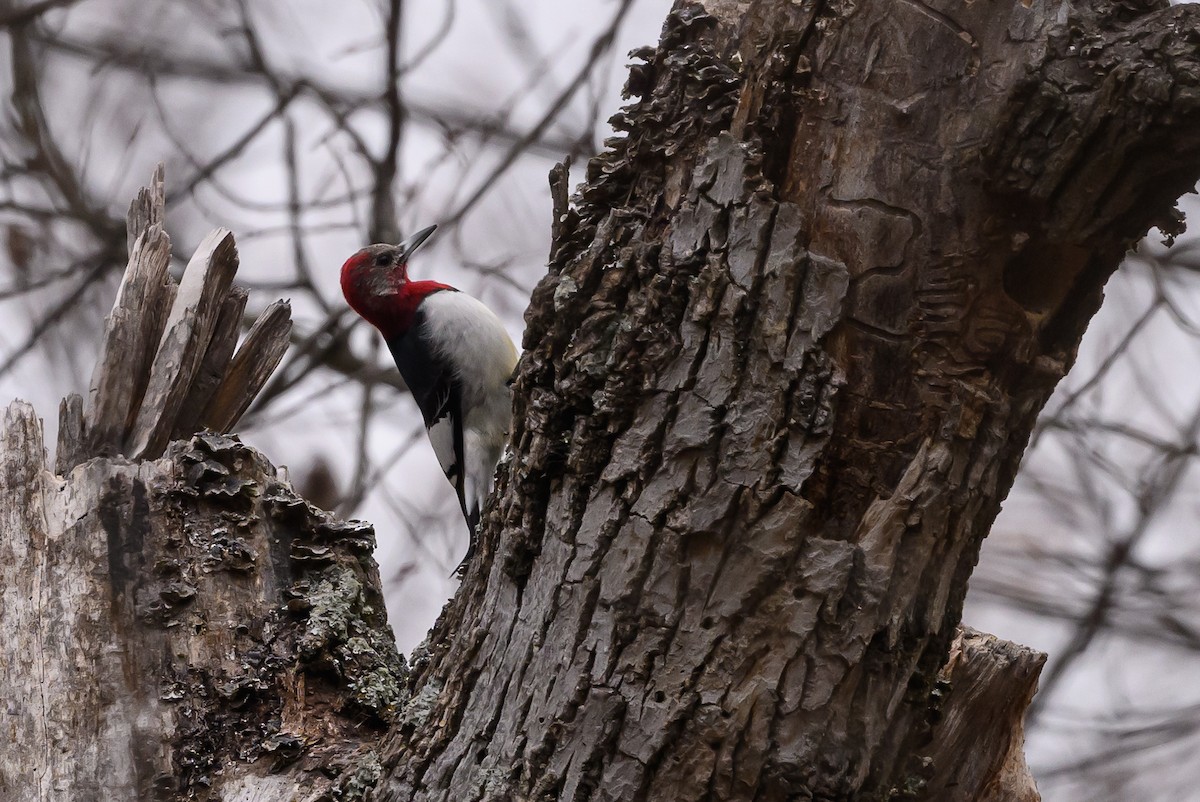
(383, 260)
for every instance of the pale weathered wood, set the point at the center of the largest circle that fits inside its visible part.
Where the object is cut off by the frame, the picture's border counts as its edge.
(183, 628)
(985, 688)
(255, 361)
(58, 664)
(148, 207)
(167, 348)
(186, 336)
(72, 435)
(216, 362)
(130, 338)
(135, 327)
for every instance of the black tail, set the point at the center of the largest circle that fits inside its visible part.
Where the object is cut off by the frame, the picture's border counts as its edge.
(472, 516)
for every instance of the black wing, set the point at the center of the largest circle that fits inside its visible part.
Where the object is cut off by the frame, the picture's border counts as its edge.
(435, 388)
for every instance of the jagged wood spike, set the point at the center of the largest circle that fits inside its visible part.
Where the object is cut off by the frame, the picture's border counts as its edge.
(188, 331)
(253, 364)
(560, 180)
(128, 344)
(148, 208)
(72, 435)
(991, 682)
(215, 365)
(160, 297)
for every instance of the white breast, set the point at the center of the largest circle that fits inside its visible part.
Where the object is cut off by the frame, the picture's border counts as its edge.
(469, 336)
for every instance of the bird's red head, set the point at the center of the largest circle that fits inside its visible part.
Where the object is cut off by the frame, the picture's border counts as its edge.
(376, 285)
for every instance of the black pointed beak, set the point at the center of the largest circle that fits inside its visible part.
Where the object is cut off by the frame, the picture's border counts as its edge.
(412, 243)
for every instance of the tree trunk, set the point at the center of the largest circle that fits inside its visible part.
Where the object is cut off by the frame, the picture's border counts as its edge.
(797, 329)
(182, 628)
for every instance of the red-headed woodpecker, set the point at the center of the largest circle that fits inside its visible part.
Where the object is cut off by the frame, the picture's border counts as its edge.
(455, 356)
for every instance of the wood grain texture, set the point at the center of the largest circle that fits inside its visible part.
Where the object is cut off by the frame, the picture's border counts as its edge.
(180, 627)
(186, 336)
(183, 629)
(167, 348)
(55, 668)
(798, 326)
(130, 340)
(72, 435)
(148, 208)
(985, 686)
(214, 366)
(255, 361)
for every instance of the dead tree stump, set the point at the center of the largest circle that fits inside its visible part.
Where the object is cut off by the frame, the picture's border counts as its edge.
(175, 622)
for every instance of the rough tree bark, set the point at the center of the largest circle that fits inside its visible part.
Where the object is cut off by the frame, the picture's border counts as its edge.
(797, 328)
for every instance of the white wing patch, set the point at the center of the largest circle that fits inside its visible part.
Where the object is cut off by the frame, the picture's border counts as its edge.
(474, 343)
(441, 436)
